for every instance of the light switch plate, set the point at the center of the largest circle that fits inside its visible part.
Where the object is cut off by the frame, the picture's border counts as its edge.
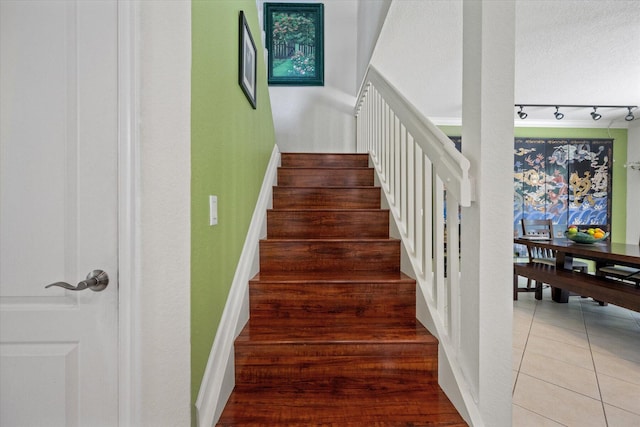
(213, 210)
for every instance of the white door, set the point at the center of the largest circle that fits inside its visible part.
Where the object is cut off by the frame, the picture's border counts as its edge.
(58, 212)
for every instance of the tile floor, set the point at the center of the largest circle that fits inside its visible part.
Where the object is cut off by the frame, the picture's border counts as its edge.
(575, 364)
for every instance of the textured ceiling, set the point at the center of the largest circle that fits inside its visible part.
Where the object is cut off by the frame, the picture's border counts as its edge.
(567, 52)
(578, 52)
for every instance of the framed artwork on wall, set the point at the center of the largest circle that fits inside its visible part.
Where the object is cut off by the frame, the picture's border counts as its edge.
(566, 180)
(295, 41)
(247, 62)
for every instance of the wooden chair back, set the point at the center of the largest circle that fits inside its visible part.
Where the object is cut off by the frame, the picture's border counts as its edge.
(538, 228)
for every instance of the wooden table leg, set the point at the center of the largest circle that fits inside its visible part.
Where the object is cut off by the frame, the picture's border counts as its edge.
(559, 295)
(599, 273)
(562, 262)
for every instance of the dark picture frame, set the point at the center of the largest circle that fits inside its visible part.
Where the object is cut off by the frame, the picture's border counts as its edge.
(295, 41)
(247, 64)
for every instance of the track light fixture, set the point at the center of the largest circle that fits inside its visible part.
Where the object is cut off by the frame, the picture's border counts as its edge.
(522, 114)
(594, 114)
(558, 114)
(628, 117)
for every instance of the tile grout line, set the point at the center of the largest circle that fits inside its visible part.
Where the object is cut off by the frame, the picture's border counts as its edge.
(544, 415)
(541, 415)
(524, 350)
(637, 319)
(562, 387)
(595, 369)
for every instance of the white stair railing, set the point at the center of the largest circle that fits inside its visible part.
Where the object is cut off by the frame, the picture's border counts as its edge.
(426, 182)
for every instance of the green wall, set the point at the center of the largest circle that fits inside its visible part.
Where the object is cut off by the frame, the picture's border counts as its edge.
(231, 144)
(619, 136)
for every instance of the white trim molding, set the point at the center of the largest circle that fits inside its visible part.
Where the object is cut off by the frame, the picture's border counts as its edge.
(218, 380)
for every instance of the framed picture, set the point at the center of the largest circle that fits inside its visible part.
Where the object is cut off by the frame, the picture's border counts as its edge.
(295, 41)
(247, 62)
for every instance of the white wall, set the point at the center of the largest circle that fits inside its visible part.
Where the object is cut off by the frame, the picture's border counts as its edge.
(320, 118)
(164, 214)
(371, 16)
(416, 36)
(633, 182)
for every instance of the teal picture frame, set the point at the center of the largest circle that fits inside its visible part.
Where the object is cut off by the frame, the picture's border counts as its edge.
(294, 34)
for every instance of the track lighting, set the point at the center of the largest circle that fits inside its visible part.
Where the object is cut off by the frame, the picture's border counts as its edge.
(522, 114)
(594, 114)
(558, 114)
(628, 117)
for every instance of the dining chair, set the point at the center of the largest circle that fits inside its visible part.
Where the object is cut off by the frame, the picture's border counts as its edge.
(541, 229)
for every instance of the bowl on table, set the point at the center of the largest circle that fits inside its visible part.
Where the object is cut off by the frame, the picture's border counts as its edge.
(583, 237)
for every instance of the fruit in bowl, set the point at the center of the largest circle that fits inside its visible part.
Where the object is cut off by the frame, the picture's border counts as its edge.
(590, 235)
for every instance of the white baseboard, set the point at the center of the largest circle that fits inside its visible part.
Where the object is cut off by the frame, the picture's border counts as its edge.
(218, 381)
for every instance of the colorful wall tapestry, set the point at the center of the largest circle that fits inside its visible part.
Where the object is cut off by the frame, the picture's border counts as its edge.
(566, 180)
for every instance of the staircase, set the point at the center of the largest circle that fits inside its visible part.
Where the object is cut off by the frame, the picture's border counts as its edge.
(333, 338)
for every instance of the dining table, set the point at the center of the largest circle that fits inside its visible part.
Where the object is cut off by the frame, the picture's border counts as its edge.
(602, 253)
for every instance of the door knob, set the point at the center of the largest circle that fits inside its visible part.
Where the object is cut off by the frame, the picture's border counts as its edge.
(97, 281)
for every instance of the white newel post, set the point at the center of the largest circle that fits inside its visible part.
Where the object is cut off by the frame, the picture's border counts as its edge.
(633, 182)
(487, 141)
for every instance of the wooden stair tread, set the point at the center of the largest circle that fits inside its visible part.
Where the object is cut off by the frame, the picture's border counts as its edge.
(269, 331)
(331, 240)
(319, 277)
(393, 406)
(327, 223)
(366, 197)
(325, 176)
(329, 255)
(323, 167)
(329, 187)
(354, 211)
(323, 159)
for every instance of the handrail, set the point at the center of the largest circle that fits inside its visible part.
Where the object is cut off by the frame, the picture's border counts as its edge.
(423, 177)
(450, 164)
